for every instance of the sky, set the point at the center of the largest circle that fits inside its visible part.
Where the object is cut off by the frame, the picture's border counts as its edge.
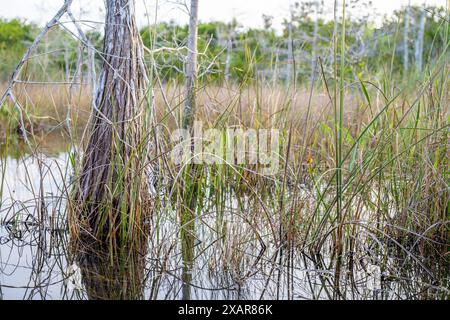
(247, 12)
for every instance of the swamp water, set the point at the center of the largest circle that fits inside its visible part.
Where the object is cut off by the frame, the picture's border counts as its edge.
(229, 253)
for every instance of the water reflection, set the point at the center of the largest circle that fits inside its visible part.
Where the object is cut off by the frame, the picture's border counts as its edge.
(187, 235)
(112, 276)
(187, 256)
(50, 144)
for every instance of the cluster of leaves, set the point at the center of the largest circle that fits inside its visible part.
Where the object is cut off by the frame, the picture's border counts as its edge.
(15, 36)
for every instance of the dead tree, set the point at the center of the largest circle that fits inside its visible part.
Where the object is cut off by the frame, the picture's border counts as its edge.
(191, 67)
(230, 40)
(190, 193)
(418, 50)
(112, 187)
(290, 59)
(314, 44)
(405, 38)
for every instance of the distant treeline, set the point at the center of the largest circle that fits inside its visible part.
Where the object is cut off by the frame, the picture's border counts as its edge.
(404, 42)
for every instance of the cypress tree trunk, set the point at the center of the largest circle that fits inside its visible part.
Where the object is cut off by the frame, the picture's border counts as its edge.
(290, 60)
(229, 51)
(112, 184)
(190, 188)
(419, 42)
(314, 45)
(405, 39)
(191, 67)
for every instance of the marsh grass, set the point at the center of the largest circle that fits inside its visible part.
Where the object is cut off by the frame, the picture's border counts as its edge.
(358, 209)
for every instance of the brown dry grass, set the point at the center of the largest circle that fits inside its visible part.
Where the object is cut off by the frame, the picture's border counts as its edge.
(244, 105)
(264, 106)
